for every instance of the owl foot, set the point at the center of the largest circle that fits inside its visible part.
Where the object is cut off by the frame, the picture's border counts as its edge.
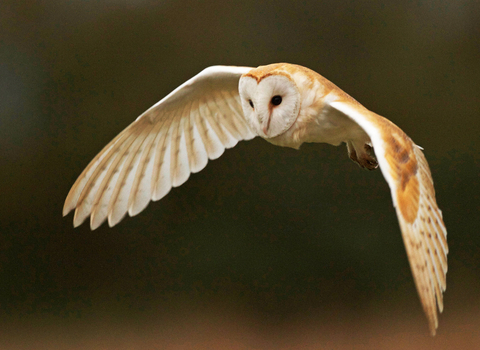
(365, 158)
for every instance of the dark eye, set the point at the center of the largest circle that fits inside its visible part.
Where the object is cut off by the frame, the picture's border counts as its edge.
(251, 103)
(276, 100)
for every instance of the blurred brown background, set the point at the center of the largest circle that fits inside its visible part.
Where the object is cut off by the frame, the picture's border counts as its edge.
(267, 248)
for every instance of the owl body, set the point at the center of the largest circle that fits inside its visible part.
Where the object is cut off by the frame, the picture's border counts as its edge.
(286, 105)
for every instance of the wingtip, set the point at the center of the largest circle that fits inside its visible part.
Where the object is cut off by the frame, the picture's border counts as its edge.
(158, 194)
(433, 325)
(115, 219)
(94, 223)
(136, 208)
(78, 219)
(66, 209)
(440, 307)
(112, 223)
(76, 223)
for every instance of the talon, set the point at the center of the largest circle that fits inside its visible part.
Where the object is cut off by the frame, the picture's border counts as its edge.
(371, 164)
(366, 159)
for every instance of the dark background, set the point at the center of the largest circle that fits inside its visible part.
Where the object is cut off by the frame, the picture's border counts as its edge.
(267, 248)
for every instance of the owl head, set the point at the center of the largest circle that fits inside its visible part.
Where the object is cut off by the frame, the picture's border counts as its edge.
(270, 100)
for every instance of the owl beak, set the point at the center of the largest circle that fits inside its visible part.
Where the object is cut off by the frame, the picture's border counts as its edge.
(266, 124)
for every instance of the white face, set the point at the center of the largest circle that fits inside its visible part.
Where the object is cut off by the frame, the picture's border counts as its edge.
(271, 106)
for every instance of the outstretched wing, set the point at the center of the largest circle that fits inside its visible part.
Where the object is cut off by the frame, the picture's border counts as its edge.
(160, 149)
(406, 170)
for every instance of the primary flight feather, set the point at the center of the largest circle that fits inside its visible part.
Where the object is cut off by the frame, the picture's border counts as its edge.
(286, 105)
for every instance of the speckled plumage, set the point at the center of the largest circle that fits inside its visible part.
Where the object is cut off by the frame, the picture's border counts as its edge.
(223, 105)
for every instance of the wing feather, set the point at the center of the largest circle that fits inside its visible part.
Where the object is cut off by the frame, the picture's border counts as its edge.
(118, 205)
(227, 122)
(406, 170)
(210, 139)
(160, 149)
(87, 196)
(434, 265)
(76, 190)
(180, 168)
(233, 102)
(162, 180)
(226, 141)
(140, 194)
(104, 193)
(197, 155)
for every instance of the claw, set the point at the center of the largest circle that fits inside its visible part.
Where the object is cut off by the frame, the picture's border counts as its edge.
(366, 159)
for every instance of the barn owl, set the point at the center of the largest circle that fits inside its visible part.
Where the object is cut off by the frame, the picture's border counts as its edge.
(286, 105)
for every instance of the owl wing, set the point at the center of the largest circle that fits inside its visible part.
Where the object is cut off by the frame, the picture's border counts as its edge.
(407, 173)
(160, 149)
